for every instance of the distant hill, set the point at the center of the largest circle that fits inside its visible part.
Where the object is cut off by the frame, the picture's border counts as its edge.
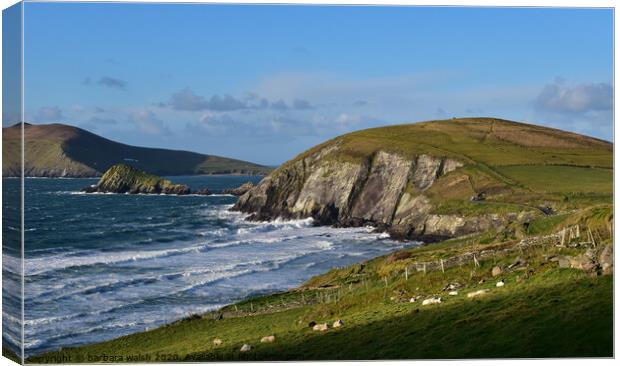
(58, 150)
(437, 179)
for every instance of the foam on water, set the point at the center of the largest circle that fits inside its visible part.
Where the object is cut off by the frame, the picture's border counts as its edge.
(91, 280)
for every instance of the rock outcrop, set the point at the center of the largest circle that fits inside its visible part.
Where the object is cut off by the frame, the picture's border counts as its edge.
(123, 178)
(386, 190)
(239, 191)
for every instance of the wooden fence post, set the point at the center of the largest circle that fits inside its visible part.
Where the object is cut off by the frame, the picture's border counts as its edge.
(578, 234)
(591, 236)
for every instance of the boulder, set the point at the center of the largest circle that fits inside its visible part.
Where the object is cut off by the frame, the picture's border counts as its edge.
(217, 342)
(268, 339)
(203, 192)
(338, 323)
(606, 260)
(453, 293)
(246, 348)
(584, 262)
(563, 262)
(496, 271)
(500, 283)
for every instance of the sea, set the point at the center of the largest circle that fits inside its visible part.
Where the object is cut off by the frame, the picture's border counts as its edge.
(100, 266)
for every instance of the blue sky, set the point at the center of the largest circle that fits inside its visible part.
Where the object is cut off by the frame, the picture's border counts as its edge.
(263, 83)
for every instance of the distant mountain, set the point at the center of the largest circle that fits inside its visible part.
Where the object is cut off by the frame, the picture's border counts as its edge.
(58, 150)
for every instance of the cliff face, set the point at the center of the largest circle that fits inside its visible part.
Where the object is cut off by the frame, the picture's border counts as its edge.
(386, 190)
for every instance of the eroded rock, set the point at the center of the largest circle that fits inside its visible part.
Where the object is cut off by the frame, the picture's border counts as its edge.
(123, 178)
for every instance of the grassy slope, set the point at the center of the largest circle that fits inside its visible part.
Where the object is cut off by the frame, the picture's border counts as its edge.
(59, 146)
(543, 311)
(561, 179)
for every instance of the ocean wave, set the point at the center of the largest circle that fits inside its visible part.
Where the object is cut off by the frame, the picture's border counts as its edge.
(39, 265)
(222, 258)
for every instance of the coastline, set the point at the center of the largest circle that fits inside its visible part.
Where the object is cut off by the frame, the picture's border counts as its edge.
(362, 296)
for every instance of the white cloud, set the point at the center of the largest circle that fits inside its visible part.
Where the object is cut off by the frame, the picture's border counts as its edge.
(562, 97)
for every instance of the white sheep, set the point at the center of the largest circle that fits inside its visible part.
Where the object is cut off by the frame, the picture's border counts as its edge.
(268, 339)
(432, 301)
(478, 293)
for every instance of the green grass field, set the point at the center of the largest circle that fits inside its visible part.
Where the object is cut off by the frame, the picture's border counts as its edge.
(561, 179)
(490, 141)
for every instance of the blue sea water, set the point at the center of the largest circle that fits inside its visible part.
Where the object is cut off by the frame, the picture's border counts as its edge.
(99, 266)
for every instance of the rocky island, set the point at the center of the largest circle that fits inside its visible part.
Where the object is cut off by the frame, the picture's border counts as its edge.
(123, 178)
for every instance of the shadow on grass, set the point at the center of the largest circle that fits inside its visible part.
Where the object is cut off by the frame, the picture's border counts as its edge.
(575, 320)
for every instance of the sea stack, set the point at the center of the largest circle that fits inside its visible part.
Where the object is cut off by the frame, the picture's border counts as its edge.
(123, 178)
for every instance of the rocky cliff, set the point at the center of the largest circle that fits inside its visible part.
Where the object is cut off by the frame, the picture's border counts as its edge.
(386, 191)
(122, 178)
(400, 179)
